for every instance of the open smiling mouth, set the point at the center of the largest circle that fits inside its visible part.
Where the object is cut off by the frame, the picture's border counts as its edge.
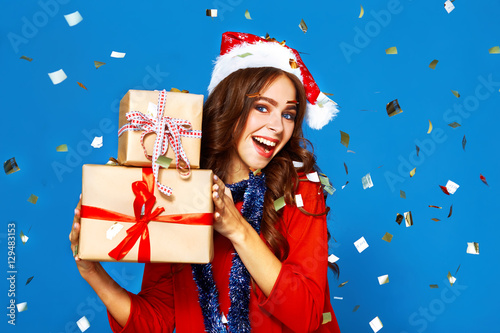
(265, 146)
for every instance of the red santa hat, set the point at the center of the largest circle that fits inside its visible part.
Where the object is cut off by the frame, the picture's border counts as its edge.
(240, 50)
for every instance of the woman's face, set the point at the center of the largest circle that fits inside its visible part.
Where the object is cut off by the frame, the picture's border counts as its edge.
(269, 126)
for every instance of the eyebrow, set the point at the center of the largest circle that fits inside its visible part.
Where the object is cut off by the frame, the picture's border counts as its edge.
(273, 102)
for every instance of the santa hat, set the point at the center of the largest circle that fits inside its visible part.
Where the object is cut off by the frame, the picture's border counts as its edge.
(240, 50)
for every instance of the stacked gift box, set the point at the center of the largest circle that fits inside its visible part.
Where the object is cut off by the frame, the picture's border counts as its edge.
(148, 209)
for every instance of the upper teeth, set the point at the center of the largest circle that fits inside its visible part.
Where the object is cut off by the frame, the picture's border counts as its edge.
(266, 142)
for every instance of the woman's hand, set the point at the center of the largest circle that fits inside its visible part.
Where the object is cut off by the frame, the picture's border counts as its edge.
(84, 266)
(228, 220)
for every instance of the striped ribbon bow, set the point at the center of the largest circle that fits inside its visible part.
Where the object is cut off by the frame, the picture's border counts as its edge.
(168, 131)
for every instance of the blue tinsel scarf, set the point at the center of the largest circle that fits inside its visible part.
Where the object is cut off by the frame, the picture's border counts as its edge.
(251, 191)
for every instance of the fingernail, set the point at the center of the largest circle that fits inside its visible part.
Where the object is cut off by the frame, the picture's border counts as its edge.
(216, 178)
(216, 187)
(77, 211)
(217, 195)
(74, 225)
(80, 195)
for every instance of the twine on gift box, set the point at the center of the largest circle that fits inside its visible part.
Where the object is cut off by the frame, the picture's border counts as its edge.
(168, 132)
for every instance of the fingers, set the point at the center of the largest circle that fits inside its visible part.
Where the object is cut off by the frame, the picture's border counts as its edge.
(75, 230)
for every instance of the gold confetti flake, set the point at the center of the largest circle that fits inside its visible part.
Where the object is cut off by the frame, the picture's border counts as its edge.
(343, 284)
(376, 324)
(361, 12)
(62, 148)
(454, 124)
(399, 218)
(33, 199)
(303, 25)
(451, 278)
(412, 172)
(430, 128)
(367, 181)
(279, 203)
(433, 286)
(175, 90)
(494, 50)
(257, 172)
(391, 50)
(247, 15)
(408, 219)
(402, 194)
(293, 64)
(355, 308)
(81, 85)
(98, 64)
(112, 161)
(387, 237)
(472, 248)
(344, 138)
(435, 219)
(432, 206)
(26, 58)
(393, 108)
(457, 95)
(383, 279)
(327, 317)
(23, 237)
(433, 64)
(10, 166)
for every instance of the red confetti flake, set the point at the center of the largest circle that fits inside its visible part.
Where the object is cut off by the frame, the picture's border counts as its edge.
(451, 211)
(483, 179)
(444, 189)
(432, 206)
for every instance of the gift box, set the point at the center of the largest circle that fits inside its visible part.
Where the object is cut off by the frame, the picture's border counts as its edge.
(124, 216)
(184, 112)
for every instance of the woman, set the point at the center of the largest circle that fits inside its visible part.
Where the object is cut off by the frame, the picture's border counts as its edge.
(269, 272)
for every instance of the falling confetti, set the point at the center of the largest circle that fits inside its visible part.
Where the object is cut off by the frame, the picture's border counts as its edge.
(57, 76)
(10, 166)
(73, 18)
(412, 172)
(347, 182)
(29, 280)
(81, 85)
(417, 148)
(355, 308)
(399, 219)
(433, 64)
(402, 194)
(313, 177)
(391, 50)
(361, 244)
(113, 230)
(115, 54)
(98, 64)
(62, 148)
(444, 189)
(472, 248)
(33, 199)
(244, 55)
(327, 317)
(451, 278)
(351, 151)
(452, 187)
(343, 284)
(393, 108)
(212, 12)
(26, 58)
(433, 286)
(451, 211)
(387, 237)
(22, 306)
(408, 219)
(494, 50)
(97, 142)
(435, 219)
(361, 12)
(432, 206)
(430, 128)
(448, 6)
(332, 258)
(293, 64)
(457, 95)
(346, 170)
(483, 179)
(464, 142)
(376, 324)
(23, 237)
(164, 161)
(454, 124)
(327, 186)
(298, 200)
(344, 138)
(247, 15)
(383, 279)
(83, 324)
(279, 203)
(367, 181)
(303, 25)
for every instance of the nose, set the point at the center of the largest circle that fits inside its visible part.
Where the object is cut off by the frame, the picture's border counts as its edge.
(275, 123)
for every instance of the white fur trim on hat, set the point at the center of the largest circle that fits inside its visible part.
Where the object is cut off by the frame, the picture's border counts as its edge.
(320, 114)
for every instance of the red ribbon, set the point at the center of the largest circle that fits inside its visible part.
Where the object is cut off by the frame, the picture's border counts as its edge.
(143, 211)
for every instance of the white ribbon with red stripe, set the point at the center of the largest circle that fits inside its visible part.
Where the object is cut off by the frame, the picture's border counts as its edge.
(168, 130)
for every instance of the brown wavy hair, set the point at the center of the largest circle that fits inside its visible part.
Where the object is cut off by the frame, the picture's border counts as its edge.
(224, 117)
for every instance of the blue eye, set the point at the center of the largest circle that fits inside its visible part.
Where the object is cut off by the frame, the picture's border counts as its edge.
(261, 108)
(289, 116)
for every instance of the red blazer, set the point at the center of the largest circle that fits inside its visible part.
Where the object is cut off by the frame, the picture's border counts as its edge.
(169, 298)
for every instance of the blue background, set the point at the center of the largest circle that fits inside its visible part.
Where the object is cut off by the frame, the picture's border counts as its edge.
(346, 55)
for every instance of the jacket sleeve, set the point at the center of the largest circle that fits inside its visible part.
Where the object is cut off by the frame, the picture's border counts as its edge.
(152, 309)
(298, 296)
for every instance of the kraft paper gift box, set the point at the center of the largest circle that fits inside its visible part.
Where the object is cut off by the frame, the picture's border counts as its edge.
(108, 203)
(178, 105)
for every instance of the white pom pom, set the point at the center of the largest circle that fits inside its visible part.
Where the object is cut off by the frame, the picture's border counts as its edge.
(321, 113)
